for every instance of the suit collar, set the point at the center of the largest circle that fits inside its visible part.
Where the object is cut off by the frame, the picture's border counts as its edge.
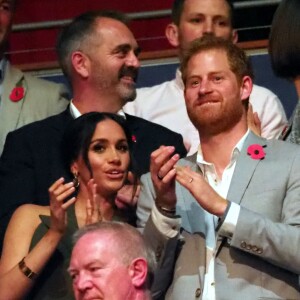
(245, 168)
(10, 111)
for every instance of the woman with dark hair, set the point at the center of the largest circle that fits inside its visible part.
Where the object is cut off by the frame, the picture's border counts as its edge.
(37, 243)
(284, 49)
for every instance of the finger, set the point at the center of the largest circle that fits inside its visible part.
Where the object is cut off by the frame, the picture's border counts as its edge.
(169, 177)
(130, 177)
(68, 203)
(160, 157)
(56, 184)
(63, 191)
(168, 166)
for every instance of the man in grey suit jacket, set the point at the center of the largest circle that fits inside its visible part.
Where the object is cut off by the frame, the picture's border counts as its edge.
(35, 100)
(237, 199)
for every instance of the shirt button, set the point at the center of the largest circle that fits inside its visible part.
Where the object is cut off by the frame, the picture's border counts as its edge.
(198, 293)
(243, 244)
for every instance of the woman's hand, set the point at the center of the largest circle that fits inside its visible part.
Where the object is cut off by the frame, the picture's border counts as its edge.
(163, 175)
(59, 192)
(128, 195)
(93, 204)
(205, 195)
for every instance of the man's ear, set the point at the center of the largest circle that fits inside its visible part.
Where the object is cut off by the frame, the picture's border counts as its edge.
(171, 33)
(81, 63)
(246, 87)
(234, 36)
(138, 270)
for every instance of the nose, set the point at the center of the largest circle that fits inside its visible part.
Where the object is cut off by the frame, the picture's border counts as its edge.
(82, 283)
(208, 27)
(114, 156)
(204, 87)
(132, 60)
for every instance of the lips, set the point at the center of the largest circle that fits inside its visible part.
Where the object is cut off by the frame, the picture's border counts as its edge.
(128, 74)
(115, 174)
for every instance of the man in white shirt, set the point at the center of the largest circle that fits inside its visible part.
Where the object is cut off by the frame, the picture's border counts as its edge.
(164, 103)
(240, 222)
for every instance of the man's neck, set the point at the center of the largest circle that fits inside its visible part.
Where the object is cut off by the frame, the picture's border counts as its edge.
(217, 149)
(87, 101)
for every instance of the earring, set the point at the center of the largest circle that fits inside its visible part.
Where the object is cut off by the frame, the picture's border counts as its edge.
(76, 180)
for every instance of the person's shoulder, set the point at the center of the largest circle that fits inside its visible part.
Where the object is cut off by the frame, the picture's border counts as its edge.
(260, 91)
(29, 213)
(42, 125)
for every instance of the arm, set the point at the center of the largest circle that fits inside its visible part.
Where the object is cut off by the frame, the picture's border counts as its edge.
(13, 283)
(255, 233)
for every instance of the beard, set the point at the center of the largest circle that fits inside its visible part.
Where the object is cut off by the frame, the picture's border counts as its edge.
(127, 90)
(106, 80)
(211, 120)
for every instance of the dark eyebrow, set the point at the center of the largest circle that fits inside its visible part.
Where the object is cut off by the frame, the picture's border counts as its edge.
(127, 48)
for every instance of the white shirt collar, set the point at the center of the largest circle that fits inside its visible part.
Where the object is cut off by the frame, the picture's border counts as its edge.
(235, 152)
(75, 113)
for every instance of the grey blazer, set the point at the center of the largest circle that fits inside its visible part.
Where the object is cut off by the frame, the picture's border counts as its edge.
(42, 99)
(262, 260)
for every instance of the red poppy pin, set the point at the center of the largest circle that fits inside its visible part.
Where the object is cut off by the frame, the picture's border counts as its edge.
(133, 138)
(18, 92)
(256, 151)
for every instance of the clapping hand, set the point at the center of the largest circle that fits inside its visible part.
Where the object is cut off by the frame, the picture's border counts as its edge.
(93, 204)
(128, 195)
(59, 192)
(163, 175)
(205, 195)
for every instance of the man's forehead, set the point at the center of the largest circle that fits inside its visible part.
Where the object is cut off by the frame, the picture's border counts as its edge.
(212, 58)
(115, 33)
(207, 7)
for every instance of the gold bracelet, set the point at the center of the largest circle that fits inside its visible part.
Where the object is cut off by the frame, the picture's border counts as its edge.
(26, 271)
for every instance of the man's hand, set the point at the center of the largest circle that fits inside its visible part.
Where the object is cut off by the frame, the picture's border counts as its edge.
(163, 175)
(201, 191)
(253, 121)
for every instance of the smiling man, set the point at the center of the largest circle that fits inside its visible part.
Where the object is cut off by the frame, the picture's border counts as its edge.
(99, 55)
(241, 224)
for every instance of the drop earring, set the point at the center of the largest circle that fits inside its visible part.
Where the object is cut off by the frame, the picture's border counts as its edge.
(76, 180)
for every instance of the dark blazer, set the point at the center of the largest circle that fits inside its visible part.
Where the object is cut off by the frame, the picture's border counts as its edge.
(31, 160)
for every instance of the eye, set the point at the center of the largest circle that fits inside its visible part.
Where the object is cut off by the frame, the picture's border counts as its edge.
(99, 148)
(222, 23)
(196, 20)
(193, 83)
(217, 78)
(123, 147)
(73, 276)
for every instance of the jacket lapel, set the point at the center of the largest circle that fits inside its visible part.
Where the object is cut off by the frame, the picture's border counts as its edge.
(10, 111)
(244, 169)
